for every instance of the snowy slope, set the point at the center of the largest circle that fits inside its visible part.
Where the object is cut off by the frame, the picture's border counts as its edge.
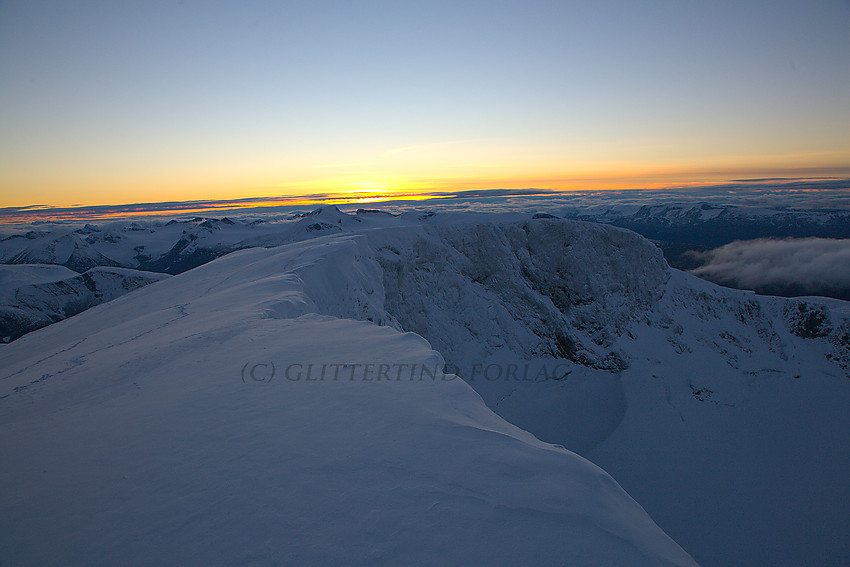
(741, 403)
(721, 411)
(721, 404)
(150, 430)
(35, 295)
(15, 276)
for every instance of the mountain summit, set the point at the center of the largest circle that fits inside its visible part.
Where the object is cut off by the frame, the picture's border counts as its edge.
(417, 385)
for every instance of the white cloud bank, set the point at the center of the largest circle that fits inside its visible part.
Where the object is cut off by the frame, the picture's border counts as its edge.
(817, 266)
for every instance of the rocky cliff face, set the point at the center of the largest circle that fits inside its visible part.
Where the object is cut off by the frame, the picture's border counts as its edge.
(540, 288)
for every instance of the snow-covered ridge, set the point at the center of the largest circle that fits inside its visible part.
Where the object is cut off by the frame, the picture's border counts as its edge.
(692, 360)
(138, 439)
(696, 365)
(707, 403)
(35, 295)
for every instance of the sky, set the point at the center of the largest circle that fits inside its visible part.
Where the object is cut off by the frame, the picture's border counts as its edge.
(128, 102)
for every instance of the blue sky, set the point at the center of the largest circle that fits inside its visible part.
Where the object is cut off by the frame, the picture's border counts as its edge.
(113, 102)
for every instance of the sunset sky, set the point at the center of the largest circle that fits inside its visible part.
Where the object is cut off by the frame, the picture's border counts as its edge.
(124, 102)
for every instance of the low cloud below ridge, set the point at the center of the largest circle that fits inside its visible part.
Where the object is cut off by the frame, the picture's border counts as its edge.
(788, 267)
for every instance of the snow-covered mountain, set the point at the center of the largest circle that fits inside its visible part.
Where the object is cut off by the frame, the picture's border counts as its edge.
(722, 412)
(175, 246)
(700, 398)
(35, 295)
(688, 232)
(165, 427)
(713, 224)
(684, 226)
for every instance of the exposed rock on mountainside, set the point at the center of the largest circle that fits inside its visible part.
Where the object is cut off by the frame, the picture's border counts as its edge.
(30, 299)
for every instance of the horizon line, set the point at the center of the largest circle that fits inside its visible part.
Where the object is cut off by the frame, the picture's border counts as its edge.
(42, 213)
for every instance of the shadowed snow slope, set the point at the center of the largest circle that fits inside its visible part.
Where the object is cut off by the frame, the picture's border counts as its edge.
(161, 428)
(723, 412)
(35, 295)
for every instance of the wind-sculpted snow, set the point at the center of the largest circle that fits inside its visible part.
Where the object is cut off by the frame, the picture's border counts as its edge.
(719, 397)
(508, 304)
(163, 428)
(722, 411)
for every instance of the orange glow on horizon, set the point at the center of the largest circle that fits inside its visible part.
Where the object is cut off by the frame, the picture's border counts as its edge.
(374, 187)
(87, 214)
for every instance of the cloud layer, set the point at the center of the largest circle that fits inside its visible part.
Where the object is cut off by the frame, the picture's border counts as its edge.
(802, 266)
